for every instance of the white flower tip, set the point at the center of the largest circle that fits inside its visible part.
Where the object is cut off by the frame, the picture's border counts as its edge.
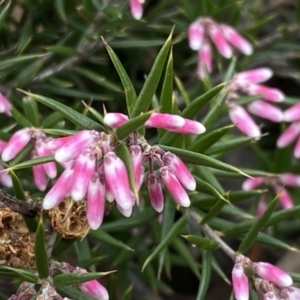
(199, 128)
(49, 202)
(195, 44)
(185, 201)
(77, 195)
(191, 185)
(94, 224)
(158, 208)
(137, 15)
(247, 49)
(6, 155)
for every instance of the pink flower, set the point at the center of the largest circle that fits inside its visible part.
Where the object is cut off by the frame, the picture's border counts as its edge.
(39, 175)
(136, 156)
(272, 273)
(155, 191)
(223, 36)
(5, 105)
(265, 110)
(252, 183)
(5, 178)
(290, 293)
(253, 76)
(240, 282)
(115, 120)
(288, 136)
(136, 8)
(292, 114)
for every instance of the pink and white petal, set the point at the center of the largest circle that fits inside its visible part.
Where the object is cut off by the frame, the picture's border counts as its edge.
(3, 144)
(136, 9)
(39, 177)
(175, 188)
(196, 35)
(5, 105)
(136, 156)
(177, 166)
(115, 120)
(59, 190)
(265, 110)
(290, 179)
(5, 177)
(190, 127)
(292, 114)
(204, 59)
(218, 39)
(270, 94)
(155, 191)
(252, 183)
(297, 148)
(290, 293)
(254, 76)
(95, 201)
(240, 282)
(95, 289)
(165, 121)
(285, 199)
(16, 143)
(236, 40)
(288, 135)
(126, 212)
(243, 121)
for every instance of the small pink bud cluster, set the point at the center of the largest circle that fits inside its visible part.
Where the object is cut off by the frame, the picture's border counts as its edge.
(5, 105)
(270, 281)
(247, 83)
(223, 36)
(292, 132)
(277, 184)
(40, 149)
(136, 7)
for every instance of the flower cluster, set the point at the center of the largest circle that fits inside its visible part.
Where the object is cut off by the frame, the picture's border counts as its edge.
(136, 7)
(222, 35)
(277, 184)
(247, 82)
(271, 283)
(292, 132)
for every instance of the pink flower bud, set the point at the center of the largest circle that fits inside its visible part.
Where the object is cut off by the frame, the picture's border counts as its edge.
(75, 145)
(196, 35)
(190, 127)
(243, 121)
(290, 293)
(240, 282)
(95, 201)
(288, 135)
(285, 199)
(5, 177)
(16, 143)
(218, 39)
(204, 59)
(165, 121)
(292, 114)
(252, 183)
(136, 156)
(177, 166)
(116, 175)
(54, 144)
(290, 179)
(5, 105)
(125, 212)
(39, 177)
(155, 191)
(177, 191)
(254, 75)
(84, 168)
(265, 110)
(272, 273)
(115, 120)
(59, 190)
(43, 150)
(3, 144)
(136, 9)
(95, 289)
(297, 148)
(236, 40)
(270, 94)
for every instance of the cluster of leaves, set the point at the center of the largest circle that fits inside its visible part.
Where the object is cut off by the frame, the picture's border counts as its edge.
(54, 49)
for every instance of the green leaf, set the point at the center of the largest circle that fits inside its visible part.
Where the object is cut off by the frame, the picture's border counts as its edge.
(205, 275)
(59, 6)
(200, 159)
(31, 111)
(295, 276)
(130, 93)
(109, 239)
(16, 61)
(59, 49)
(230, 70)
(23, 121)
(21, 273)
(73, 116)
(32, 162)
(52, 119)
(41, 259)
(73, 293)
(67, 279)
(213, 212)
(3, 14)
(202, 242)
(183, 91)
(206, 140)
(178, 226)
(62, 246)
(132, 125)
(144, 99)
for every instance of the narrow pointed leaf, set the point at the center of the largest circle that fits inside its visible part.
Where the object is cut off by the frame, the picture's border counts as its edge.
(60, 8)
(205, 275)
(41, 259)
(230, 70)
(144, 99)
(206, 140)
(73, 116)
(31, 111)
(178, 226)
(129, 90)
(132, 125)
(3, 14)
(77, 278)
(202, 242)
(183, 91)
(213, 212)
(16, 61)
(22, 273)
(200, 159)
(22, 120)
(52, 120)
(32, 162)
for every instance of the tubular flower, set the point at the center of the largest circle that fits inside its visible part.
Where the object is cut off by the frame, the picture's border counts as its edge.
(277, 184)
(247, 83)
(136, 8)
(223, 36)
(271, 283)
(94, 172)
(292, 132)
(5, 105)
